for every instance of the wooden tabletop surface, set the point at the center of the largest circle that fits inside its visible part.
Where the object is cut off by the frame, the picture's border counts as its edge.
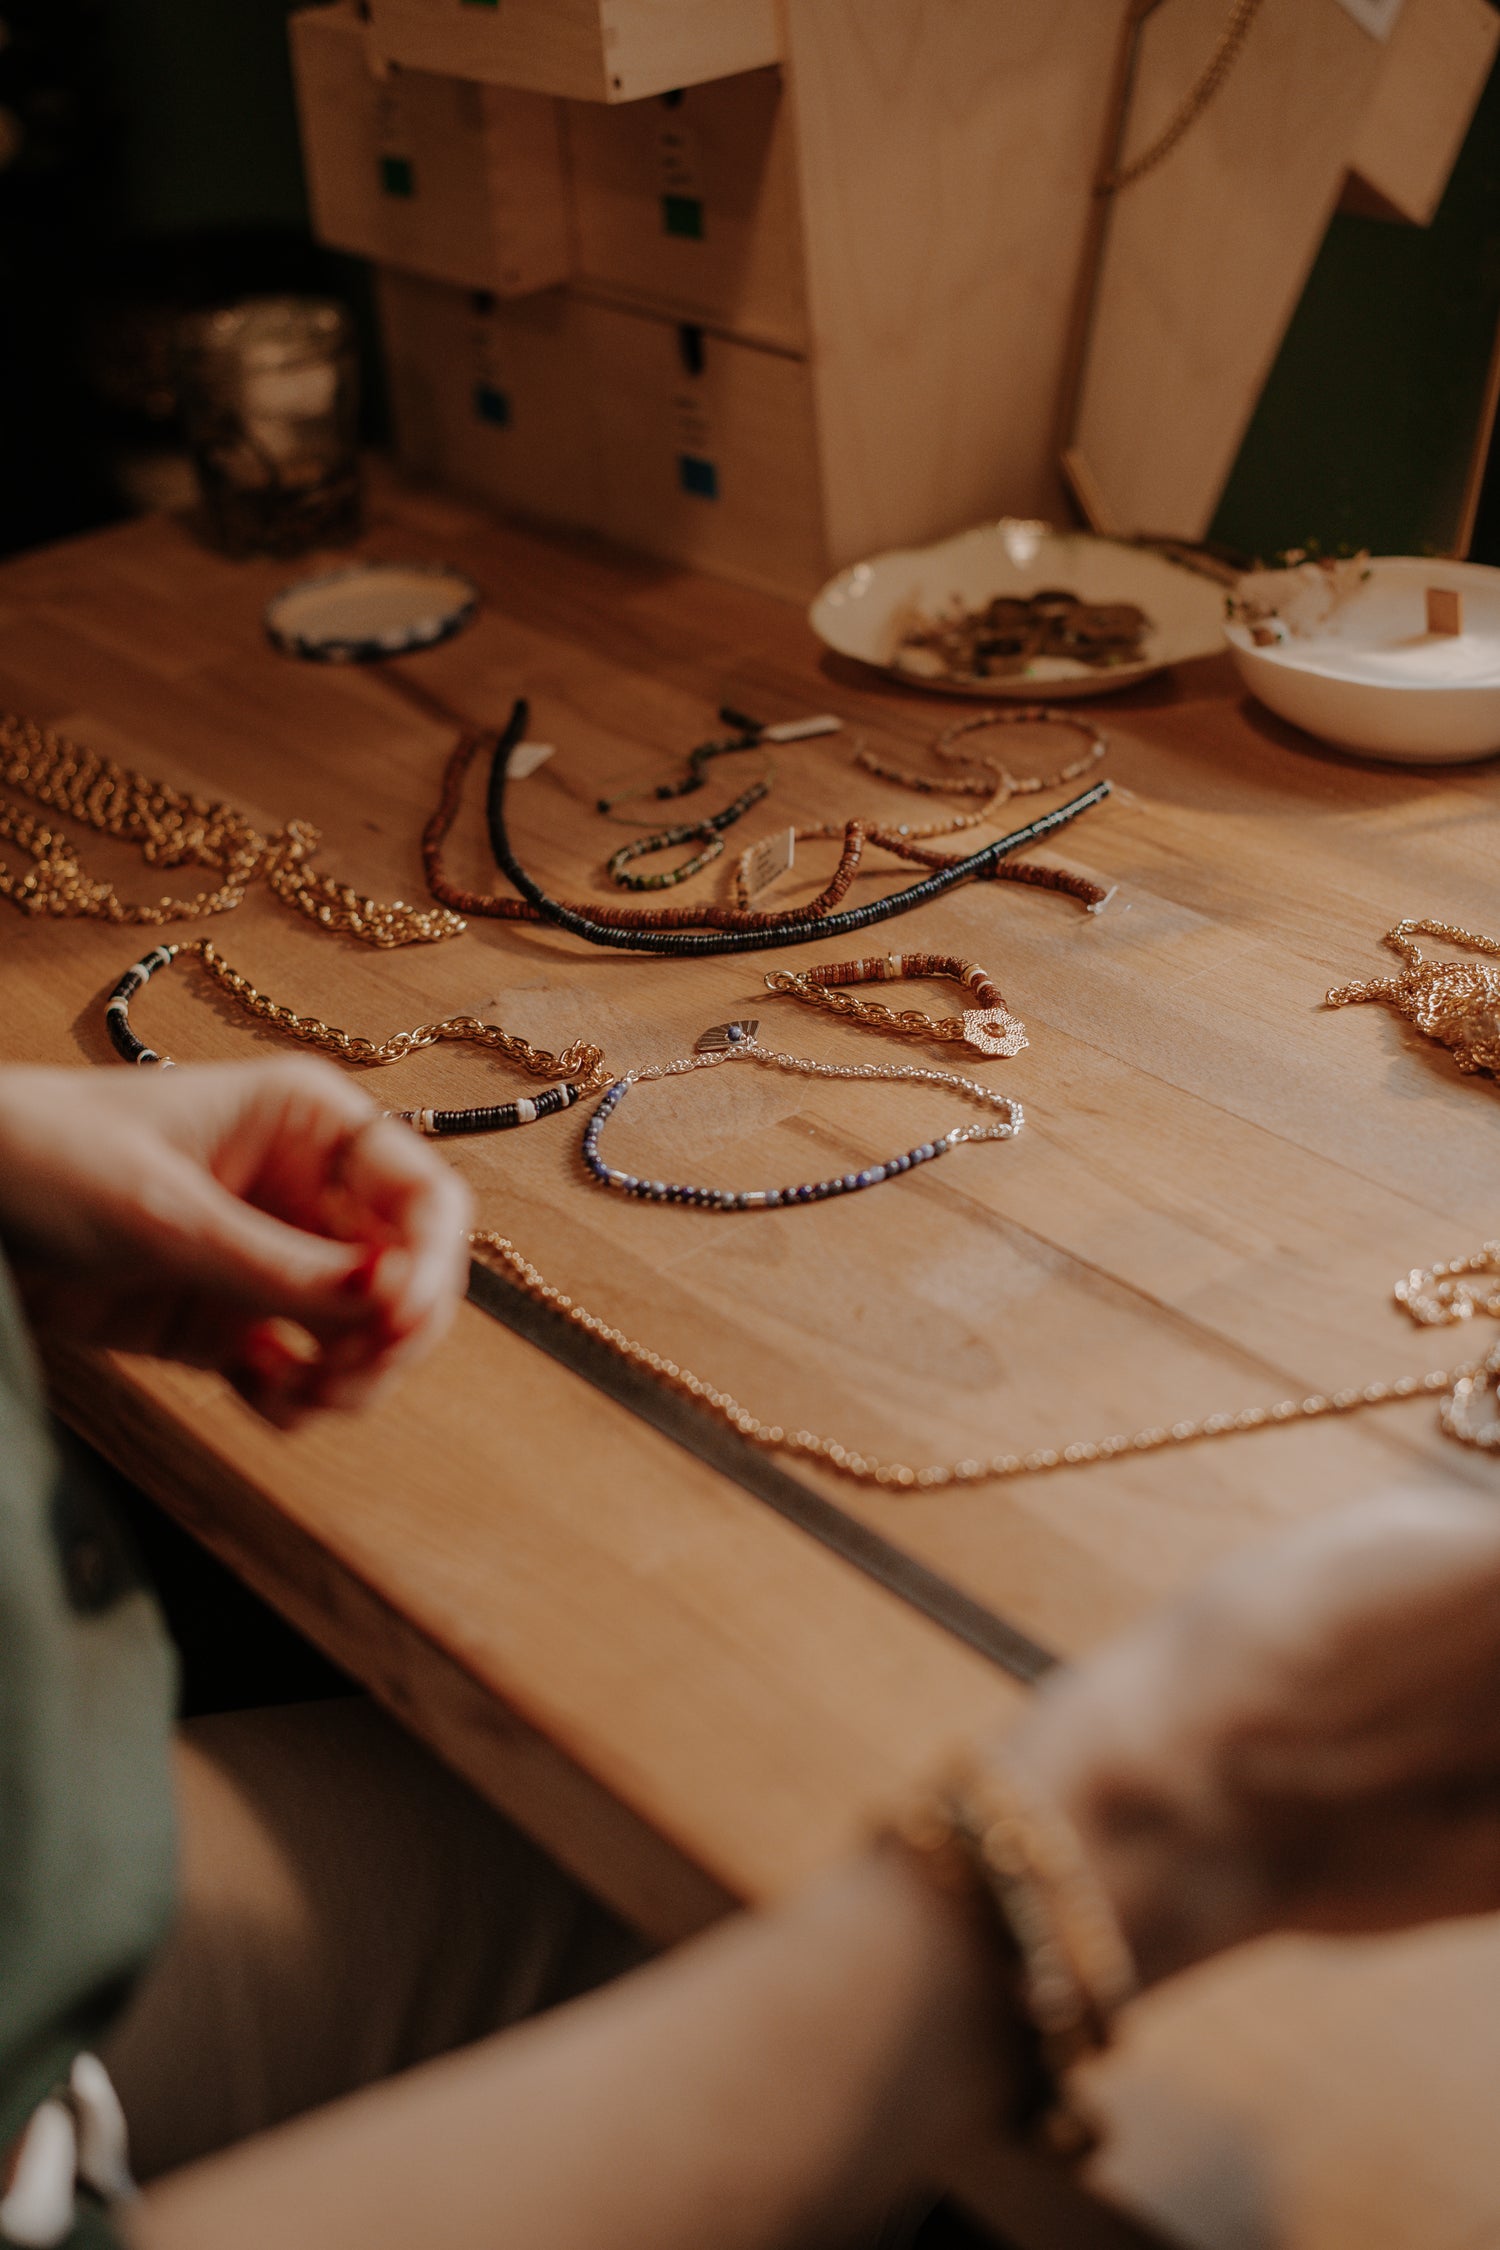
(1217, 1184)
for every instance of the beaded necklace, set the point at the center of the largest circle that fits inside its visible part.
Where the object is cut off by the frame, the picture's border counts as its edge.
(995, 783)
(730, 931)
(988, 1028)
(749, 734)
(708, 831)
(1468, 1395)
(730, 1042)
(347, 1046)
(660, 923)
(172, 830)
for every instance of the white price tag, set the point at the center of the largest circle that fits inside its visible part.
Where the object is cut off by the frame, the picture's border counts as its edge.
(1378, 17)
(771, 857)
(526, 757)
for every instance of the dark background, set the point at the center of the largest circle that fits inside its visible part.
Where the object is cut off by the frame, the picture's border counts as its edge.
(149, 163)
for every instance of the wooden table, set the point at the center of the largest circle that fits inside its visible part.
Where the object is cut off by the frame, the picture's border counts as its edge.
(682, 1694)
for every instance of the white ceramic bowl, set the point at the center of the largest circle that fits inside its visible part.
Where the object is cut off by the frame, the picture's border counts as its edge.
(864, 611)
(1356, 665)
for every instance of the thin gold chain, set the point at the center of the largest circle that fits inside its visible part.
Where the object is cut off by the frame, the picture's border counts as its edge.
(171, 829)
(1435, 1296)
(1231, 39)
(581, 1062)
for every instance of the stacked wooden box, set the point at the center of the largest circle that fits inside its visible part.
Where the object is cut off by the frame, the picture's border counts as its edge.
(766, 286)
(608, 301)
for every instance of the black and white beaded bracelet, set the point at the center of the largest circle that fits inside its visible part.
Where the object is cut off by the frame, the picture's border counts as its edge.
(436, 1124)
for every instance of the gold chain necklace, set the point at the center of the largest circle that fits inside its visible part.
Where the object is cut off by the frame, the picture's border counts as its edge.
(171, 829)
(1435, 1296)
(1231, 39)
(580, 1061)
(1454, 1002)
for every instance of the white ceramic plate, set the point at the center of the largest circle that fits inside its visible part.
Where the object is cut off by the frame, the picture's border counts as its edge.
(1357, 666)
(864, 611)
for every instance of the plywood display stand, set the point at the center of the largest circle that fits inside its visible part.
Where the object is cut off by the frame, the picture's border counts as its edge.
(867, 224)
(1203, 259)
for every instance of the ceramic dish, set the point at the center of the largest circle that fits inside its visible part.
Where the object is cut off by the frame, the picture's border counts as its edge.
(371, 610)
(864, 611)
(1350, 658)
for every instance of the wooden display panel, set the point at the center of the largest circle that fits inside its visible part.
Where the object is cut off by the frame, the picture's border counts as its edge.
(1205, 257)
(463, 182)
(688, 205)
(492, 397)
(593, 50)
(946, 152)
(707, 450)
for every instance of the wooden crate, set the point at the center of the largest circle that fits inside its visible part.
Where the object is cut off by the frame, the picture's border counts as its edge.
(708, 452)
(592, 50)
(439, 175)
(688, 204)
(492, 396)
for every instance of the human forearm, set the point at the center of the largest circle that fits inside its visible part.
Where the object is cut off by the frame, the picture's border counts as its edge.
(786, 2068)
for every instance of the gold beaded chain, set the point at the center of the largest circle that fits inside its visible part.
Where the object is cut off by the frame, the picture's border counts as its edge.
(171, 829)
(1435, 1296)
(581, 1062)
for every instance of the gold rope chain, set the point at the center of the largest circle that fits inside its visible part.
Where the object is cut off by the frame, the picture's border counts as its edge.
(1195, 102)
(581, 1062)
(172, 829)
(1433, 1296)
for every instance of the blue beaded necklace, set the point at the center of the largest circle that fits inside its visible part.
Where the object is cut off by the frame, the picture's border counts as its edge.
(726, 1042)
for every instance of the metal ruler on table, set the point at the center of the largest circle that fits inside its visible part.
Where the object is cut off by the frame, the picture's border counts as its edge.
(759, 1474)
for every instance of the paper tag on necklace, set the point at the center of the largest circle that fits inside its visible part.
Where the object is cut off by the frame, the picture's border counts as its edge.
(1378, 17)
(526, 757)
(771, 857)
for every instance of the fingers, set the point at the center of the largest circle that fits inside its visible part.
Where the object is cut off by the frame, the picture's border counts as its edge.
(197, 1212)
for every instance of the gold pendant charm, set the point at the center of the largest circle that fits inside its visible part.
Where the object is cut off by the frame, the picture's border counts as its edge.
(993, 1031)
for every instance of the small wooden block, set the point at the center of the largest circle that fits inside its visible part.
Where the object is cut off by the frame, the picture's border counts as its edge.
(1445, 610)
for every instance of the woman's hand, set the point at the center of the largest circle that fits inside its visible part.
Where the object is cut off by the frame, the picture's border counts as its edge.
(1310, 1740)
(259, 1218)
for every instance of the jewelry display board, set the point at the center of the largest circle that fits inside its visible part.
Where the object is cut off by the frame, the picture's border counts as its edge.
(1200, 254)
(1217, 1183)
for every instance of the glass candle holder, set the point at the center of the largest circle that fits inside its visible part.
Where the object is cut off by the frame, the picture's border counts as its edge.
(270, 396)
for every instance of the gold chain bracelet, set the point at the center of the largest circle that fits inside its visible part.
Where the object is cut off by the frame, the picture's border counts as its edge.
(1434, 1296)
(581, 1066)
(988, 1028)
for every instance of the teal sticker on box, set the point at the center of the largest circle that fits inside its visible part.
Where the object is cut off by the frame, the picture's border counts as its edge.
(683, 215)
(396, 176)
(697, 476)
(492, 405)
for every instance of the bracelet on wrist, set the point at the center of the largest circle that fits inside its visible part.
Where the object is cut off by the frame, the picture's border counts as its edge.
(991, 1834)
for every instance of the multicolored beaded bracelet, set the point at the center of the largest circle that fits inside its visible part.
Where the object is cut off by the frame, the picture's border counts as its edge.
(709, 831)
(437, 1124)
(988, 1028)
(726, 1041)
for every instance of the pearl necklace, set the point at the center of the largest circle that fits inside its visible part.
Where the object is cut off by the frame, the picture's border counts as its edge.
(728, 1042)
